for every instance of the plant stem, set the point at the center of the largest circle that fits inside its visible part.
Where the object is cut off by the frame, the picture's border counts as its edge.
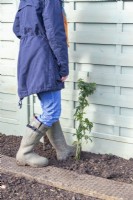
(86, 89)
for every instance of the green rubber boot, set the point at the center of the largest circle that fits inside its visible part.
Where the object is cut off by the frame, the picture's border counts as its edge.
(57, 139)
(25, 155)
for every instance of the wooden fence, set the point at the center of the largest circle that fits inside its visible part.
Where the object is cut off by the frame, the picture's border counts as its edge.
(101, 51)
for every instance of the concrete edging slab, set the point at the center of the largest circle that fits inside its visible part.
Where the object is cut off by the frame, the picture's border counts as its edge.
(71, 181)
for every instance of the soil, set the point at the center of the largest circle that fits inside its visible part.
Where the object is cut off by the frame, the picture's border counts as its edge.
(16, 188)
(105, 166)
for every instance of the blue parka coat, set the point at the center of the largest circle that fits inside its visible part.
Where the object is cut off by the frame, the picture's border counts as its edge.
(43, 53)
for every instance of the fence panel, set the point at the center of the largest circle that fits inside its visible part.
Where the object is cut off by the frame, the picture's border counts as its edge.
(12, 120)
(101, 48)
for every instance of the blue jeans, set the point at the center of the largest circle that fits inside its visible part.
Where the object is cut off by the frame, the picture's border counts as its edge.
(51, 107)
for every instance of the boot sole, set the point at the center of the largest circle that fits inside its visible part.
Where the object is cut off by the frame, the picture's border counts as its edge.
(70, 154)
(26, 164)
(21, 163)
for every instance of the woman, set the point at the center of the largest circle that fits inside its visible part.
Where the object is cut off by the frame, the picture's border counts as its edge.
(42, 70)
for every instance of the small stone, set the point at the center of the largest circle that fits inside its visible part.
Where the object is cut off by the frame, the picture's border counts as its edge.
(52, 190)
(73, 198)
(3, 186)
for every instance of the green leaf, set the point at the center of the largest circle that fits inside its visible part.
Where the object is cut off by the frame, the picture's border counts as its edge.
(85, 89)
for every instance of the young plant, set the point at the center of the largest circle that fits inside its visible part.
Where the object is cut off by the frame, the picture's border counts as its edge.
(84, 124)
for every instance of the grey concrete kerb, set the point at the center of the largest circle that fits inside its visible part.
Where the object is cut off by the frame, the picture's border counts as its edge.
(71, 181)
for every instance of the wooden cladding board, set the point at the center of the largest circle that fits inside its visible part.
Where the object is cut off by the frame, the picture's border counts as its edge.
(4, 29)
(102, 16)
(6, 2)
(101, 58)
(101, 37)
(7, 12)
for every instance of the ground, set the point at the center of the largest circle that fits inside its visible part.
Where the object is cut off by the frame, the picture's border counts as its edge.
(17, 188)
(106, 166)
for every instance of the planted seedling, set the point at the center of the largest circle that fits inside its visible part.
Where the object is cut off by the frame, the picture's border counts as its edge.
(84, 125)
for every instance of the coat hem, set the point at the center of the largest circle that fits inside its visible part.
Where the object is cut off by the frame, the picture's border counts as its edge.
(26, 93)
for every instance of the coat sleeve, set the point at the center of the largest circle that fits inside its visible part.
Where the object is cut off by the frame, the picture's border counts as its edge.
(55, 31)
(16, 26)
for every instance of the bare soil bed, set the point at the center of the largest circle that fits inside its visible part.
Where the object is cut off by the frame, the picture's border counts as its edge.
(106, 166)
(16, 188)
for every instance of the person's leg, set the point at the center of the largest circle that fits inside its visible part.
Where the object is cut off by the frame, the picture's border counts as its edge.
(57, 139)
(25, 155)
(51, 106)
